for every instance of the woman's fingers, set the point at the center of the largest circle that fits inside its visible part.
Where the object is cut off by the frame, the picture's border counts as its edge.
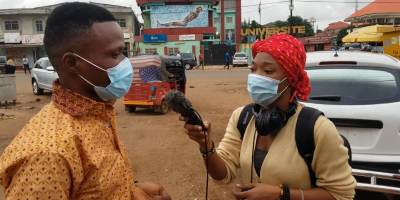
(245, 187)
(191, 127)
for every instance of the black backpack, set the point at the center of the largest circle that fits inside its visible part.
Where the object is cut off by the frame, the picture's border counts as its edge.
(304, 134)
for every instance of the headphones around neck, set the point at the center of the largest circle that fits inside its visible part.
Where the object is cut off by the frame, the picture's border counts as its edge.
(271, 121)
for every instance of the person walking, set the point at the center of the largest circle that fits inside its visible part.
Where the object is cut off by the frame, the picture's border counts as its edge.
(25, 61)
(201, 61)
(227, 60)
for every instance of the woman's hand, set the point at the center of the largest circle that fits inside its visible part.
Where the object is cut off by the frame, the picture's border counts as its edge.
(258, 192)
(154, 190)
(197, 134)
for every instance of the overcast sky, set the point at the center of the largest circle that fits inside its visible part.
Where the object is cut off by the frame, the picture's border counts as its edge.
(324, 11)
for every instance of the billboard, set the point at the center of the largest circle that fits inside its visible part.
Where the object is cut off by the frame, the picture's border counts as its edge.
(179, 16)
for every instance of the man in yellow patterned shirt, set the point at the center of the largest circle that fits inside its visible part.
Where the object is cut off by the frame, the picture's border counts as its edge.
(70, 149)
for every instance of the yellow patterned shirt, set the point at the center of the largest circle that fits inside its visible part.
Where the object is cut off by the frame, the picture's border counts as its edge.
(69, 150)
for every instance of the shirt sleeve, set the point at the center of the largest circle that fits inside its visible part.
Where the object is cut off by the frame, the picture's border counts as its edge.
(229, 147)
(330, 162)
(41, 176)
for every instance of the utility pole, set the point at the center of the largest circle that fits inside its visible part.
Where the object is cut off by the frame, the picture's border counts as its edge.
(313, 21)
(356, 5)
(291, 7)
(259, 12)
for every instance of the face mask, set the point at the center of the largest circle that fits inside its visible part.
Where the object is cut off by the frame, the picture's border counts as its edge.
(264, 90)
(120, 80)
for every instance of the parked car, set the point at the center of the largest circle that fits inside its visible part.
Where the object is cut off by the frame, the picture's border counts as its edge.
(188, 60)
(43, 76)
(360, 93)
(240, 59)
(3, 62)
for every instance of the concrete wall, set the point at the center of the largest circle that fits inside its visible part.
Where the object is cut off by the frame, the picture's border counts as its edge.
(7, 88)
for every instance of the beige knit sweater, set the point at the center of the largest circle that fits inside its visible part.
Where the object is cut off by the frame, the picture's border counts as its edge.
(283, 164)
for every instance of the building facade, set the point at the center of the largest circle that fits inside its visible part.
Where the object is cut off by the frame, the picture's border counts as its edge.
(189, 26)
(22, 30)
(379, 12)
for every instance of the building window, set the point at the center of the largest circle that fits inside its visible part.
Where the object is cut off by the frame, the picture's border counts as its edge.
(173, 51)
(122, 23)
(11, 25)
(150, 51)
(217, 20)
(39, 26)
(230, 35)
(229, 20)
(397, 21)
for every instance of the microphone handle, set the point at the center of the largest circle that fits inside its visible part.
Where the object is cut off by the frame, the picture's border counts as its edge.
(194, 118)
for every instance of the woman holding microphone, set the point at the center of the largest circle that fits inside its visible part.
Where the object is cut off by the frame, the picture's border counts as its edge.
(266, 158)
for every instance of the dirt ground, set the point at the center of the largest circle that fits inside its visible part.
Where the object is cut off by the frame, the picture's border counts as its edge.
(158, 148)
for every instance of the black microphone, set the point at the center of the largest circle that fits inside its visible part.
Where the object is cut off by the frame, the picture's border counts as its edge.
(180, 104)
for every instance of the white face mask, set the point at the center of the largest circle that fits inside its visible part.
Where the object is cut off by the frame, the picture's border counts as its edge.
(120, 76)
(264, 90)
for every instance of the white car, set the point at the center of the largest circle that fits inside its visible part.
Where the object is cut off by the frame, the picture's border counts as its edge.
(240, 59)
(43, 76)
(360, 93)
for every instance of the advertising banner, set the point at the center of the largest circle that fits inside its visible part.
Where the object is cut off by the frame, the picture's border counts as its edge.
(154, 38)
(179, 16)
(32, 39)
(12, 38)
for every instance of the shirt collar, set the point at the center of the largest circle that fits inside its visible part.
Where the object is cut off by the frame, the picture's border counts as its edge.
(78, 105)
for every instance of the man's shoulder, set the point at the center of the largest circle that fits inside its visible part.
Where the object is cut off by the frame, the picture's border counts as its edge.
(47, 131)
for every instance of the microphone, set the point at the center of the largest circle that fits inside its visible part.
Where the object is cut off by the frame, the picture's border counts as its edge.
(180, 104)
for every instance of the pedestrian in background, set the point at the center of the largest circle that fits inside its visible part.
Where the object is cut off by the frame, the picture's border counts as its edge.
(10, 67)
(227, 59)
(25, 61)
(201, 61)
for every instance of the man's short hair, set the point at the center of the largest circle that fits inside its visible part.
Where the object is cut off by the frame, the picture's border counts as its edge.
(69, 21)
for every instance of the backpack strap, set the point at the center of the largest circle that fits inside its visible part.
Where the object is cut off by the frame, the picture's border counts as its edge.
(244, 119)
(305, 137)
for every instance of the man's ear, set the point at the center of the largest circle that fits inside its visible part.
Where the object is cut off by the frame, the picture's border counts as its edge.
(70, 62)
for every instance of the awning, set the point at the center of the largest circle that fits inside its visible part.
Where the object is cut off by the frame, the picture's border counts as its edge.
(368, 34)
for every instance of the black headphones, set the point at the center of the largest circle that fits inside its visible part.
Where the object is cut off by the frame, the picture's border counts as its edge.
(271, 121)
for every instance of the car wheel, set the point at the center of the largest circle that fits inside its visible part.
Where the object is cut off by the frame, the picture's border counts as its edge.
(35, 88)
(130, 109)
(163, 108)
(188, 67)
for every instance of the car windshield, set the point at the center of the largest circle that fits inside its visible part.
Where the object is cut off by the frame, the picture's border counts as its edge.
(46, 63)
(240, 55)
(186, 55)
(349, 86)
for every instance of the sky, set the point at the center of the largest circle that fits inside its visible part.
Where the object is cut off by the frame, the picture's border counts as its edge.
(324, 11)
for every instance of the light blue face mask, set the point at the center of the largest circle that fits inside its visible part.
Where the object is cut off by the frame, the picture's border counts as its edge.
(263, 90)
(120, 80)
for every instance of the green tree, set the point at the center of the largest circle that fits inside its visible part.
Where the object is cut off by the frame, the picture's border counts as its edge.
(254, 24)
(342, 33)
